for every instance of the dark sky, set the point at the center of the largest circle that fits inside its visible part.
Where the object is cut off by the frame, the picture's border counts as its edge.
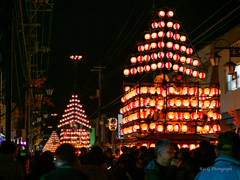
(105, 32)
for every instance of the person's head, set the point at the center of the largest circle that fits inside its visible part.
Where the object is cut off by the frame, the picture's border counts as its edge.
(47, 158)
(83, 150)
(24, 162)
(124, 149)
(65, 154)
(109, 152)
(165, 151)
(95, 156)
(8, 147)
(179, 75)
(204, 145)
(117, 152)
(228, 144)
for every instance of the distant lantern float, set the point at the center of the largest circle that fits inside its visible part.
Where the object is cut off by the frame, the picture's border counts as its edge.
(169, 45)
(195, 73)
(176, 36)
(195, 63)
(154, 35)
(183, 48)
(161, 34)
(184, 128)
(176, 47)
(168, 65)
(140, 69)
(126, 72)
(176, 128)
(175, 67)
(182, 69)
(147, 36)
(183, 38)
(161, 13)
(176, 57)
(170, 24)
(176, 26)
(133, 60)
(147, 68)
(154, 25)
(169, 55)
(153, 66)
(133, 71)
(161, 24)
(189, 60)
(160, 55)
(147, 47)
(188, 71)
(153, 45)
(154, 56)
(161, 44)
(169, 128)
(160, 65)
(189, 50)
(146, 58)
(170, 13)
(169, 34)
(141, 48)
(183, 59)
(202, 75)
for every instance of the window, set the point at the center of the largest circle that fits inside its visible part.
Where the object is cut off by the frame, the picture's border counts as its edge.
(233, 83)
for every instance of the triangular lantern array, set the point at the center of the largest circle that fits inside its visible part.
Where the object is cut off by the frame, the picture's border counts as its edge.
(52, 143)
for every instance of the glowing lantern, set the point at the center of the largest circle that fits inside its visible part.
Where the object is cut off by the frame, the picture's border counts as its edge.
(200, 115)
(178, 115)
(183, 59)
(195, 63)
(185, 146)
(154, 35)
(147, 36)
(195, 73)
(135, 128)
(200, 91)
(140, 69)
(152, 90)
(161, 34)
(152, 145)
(140, 59)
(214, 91)
(169, 24)
(194, 116)
(161, 13)
(161, 24)
(169, 45)
(170, 13)
(122, 132)
(175, 67)
(186, 115)
(140, 48)
(189, 60)
(185, 91)
(176, 26)
(133, 70)
(178, 102)
(184, 128)
(192, 146)
(210, 114)
(182, 69)
(153, 66)
(146, 58)
(144, 90)
(126, 88)
(176, 36)
(186, 103)
(159, 90)
(193, 91)
(214, 103)
(170, 115)
(153, 45)
(152, 126)
(144, 127)
(176, 57)
(154, 25)
(202, 75)
(170, 90)
(126, 72)
(183, 48)
(200, 104)
(189, 51)
(207, 128)
(169, 128)
(168, 65)
(164, 93)
(154, 56)
(194, 103)
(183, 38)
(215, 116)
(160, 44)
(216, 128)
(206, 103)
(160, 55)
(169, 55)
(176, 128)
(133, 60)
(169, 34)
(147, 68)
(188, 71)
(159, 128)
(170, 102)
(147, 47)
(207, 91)
(160, 65)
(199, 129)
(176, 47)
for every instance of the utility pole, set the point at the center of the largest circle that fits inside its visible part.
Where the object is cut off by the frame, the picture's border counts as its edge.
(98, 69)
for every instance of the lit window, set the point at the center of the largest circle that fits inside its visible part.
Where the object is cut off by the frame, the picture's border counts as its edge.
(233, 83)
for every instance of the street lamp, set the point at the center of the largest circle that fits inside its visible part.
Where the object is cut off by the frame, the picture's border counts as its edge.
(215, 58)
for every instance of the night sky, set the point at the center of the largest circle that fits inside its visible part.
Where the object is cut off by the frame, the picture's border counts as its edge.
(105, 33)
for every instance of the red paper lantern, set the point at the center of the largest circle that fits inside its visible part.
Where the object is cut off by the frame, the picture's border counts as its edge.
(140, 69)
(169, 55)
(189, 60)
(178, 115)
(195, 63)
(161, 13)
(153, 45)
(168, 65)
(144, 127)
(176, 26)
(176, 47)
(147, 68)
(154, 56)
(140, 59)
(183, 59)
(133, 71)
(202, 75)
(170, 13)
(160, 65)
(147, 36)
(195, 73)
(152, 126)
(146, 58)
(216, 128)
(154, 35)
(178, 102)
(176, 57)
(154, 25)
(169, 128)
(169, 34)
(169, 45)
(184, 128)
(161, 34)
(161, 24)
(176, 128)
(160, 55)
(176, 37)
(161, 44)
(153, 66)
(175, 67)
(133, 60)
(188, 71)
(169, 24)
(183, 38)
(147, 47)
(189, 51)
(182, 69)
(140, 48)
(126, 72)
(183, 48)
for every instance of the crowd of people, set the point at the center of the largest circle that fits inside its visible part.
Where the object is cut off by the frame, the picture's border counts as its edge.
(164, 162)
